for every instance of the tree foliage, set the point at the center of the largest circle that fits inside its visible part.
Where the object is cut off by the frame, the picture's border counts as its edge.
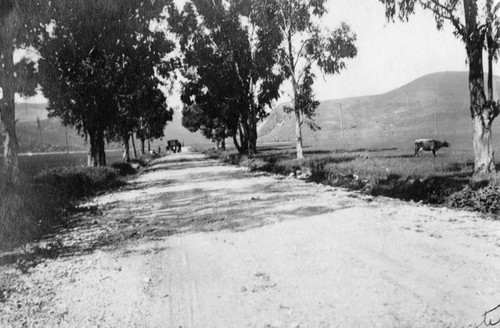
(98, 68)
(306, 45)
(230, 52)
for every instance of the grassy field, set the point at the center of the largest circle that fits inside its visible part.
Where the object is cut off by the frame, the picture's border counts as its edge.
(32, 165)
(381, 166)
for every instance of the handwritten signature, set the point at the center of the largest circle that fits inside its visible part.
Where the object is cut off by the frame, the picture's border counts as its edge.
(491, 318)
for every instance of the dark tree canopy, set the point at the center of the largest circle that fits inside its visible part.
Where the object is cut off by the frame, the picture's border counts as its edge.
(98, 66)
(231, 76)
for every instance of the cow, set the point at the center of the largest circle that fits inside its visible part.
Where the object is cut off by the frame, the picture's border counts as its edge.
(174, 145)
(429, 145)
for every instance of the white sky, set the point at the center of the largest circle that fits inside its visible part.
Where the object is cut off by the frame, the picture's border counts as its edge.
(389, 54)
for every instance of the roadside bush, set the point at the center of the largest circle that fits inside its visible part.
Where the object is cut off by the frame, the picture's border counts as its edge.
(396, 176)
(485, 200)
(124, 168)
(76, 182)
(25, 212)
(33, 208)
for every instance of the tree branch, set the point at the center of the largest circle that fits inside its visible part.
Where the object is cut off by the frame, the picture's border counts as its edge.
(445, 12)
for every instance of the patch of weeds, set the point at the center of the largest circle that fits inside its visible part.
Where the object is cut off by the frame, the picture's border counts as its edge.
(25, 212)
(77, 182)
(485, 199)
(124, 168)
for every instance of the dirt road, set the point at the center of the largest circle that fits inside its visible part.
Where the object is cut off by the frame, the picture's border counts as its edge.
(193, 243)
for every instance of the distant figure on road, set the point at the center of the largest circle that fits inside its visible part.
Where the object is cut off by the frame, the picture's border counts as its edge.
(429, 145)
(174, 145)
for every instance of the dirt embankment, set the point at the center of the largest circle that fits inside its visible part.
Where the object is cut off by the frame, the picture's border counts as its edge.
(192, 243)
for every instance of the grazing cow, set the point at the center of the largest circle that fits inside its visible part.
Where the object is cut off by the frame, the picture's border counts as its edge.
(429, 145)
(174, 145)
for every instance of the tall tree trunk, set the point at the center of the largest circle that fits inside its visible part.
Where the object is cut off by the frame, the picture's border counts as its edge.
(126, 149)
(142, 146)
(7, 113)
(252, 130)
(223, 144)
(482, 113)
(133, 145)
(149, 146)
(92, 153)
(101, 151)
(490, 43)
(236, 144)
(490, 75)
(484, 162)
(298, 135)
(298, 130)
(243, 145)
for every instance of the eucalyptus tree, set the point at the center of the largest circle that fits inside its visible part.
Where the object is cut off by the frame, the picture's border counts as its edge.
(95, 56)
(475, 23)
(230, 53)
(208, 123)
(18, 29)
(307, 45)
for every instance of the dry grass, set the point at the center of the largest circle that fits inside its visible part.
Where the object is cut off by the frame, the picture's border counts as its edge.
(386, 172)
(35, 206)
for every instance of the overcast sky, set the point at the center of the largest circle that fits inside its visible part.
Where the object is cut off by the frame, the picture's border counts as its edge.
(389, 54)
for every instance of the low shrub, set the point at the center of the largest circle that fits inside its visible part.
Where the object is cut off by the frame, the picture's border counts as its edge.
(26, 212)
(124, 168)
(34, 207)
(397, 176)
(485, 199)
(76, 182)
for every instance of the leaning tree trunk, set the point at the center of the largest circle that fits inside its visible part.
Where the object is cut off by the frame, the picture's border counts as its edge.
(252, 131)
(482, 112)
(7, 114)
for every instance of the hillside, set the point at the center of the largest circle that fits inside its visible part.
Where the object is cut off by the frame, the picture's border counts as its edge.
(54, 133)
(435, 105)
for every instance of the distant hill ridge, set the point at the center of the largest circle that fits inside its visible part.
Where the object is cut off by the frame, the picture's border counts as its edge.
(434, 104)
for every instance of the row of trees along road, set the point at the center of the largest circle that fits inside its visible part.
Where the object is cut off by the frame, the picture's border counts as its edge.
(476, 23)
(241, 51)
(98, 60)
(97, 69)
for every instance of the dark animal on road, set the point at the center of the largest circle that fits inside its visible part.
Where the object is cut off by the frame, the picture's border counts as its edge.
(429, 145)
(174, 145)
